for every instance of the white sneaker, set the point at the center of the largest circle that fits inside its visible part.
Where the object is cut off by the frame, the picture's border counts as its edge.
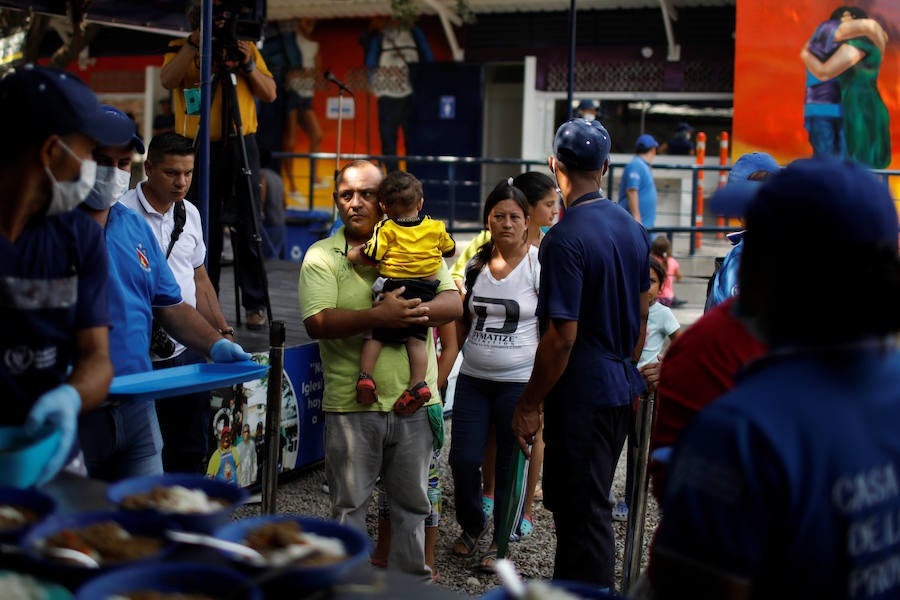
(620, 511)
(298, 198)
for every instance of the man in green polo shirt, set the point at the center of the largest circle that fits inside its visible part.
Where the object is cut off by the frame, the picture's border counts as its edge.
(361, 441)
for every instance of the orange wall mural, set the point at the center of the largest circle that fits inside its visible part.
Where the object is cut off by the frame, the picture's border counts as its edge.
(341, 53)
(771, 95)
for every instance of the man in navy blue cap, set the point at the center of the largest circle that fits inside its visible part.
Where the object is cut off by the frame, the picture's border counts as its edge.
(788, 485)
(53, 266)
(593, 310)
(637, 192)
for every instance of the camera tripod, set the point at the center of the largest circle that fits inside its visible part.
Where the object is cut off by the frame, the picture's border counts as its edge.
(231, 118)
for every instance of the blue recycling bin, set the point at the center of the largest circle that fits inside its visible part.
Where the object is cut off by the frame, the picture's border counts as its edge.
(303, 228)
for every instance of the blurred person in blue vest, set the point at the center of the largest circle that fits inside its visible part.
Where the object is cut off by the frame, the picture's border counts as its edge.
(787, 485)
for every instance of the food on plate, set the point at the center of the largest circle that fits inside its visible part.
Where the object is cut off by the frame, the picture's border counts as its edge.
(107, 542)
(283, 542)
(13, 516)
(174, 499)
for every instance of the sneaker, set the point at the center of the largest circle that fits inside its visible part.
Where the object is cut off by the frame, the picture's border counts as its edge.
(620, 512)
(365, 390)
(412, 399)
(256, 319)
(676, 302)
(297, 199)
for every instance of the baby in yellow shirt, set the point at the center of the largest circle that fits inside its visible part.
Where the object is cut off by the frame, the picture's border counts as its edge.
(408, 250)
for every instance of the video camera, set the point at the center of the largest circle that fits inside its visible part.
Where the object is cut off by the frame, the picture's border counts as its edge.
(233, 20)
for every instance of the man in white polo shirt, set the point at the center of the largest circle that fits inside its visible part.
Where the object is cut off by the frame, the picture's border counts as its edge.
(160, 200)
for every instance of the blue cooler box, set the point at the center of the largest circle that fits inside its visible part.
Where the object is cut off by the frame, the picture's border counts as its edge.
(303, 228)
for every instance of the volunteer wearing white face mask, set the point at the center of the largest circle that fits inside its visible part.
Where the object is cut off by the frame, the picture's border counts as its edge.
(53, 266)
(124, 440)
(66, 195)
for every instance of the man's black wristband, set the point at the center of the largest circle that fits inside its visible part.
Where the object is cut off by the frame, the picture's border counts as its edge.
(249, 66)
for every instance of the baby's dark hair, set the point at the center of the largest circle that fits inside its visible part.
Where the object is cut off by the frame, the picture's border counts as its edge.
(400, 189)
(661, 246)
(659, 269)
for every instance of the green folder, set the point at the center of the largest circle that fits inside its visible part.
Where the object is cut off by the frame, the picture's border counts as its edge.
(510, 511)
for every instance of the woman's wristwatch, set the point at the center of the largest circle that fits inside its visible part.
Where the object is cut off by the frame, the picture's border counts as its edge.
(226, 331)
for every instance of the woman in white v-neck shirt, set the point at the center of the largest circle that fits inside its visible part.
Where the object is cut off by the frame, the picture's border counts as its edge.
(501, 335)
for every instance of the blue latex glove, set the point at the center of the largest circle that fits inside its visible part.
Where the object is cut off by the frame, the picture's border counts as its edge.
(225, 351)
(59, 407)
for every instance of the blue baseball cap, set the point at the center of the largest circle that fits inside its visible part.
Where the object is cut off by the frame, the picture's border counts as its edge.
(117, 118)
(47, 101)
(840, 201)
(751, 163)
(582, 145)
(647, 141)
(732, 200)
(586, 105)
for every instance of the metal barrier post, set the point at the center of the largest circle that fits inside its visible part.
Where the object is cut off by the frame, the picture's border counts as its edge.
(451, 197)
(723, 175)
(695, 183)
(634, 536)
(312, 182)
(273, 417)
(701, 159)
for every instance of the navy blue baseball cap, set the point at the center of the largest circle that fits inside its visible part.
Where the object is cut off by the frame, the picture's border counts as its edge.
(46, 101)
(581, 145)
(586, 105)
(117, 118)
(840, 201)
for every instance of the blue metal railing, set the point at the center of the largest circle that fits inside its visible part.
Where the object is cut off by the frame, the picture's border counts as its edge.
(452, 183)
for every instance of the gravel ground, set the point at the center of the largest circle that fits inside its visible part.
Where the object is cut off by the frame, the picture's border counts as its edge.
(533, 555)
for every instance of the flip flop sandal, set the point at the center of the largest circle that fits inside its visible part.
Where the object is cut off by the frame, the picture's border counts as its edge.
(365, 390)
(487, 561)
(412, 399)
(526, 527)
(469, 542)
